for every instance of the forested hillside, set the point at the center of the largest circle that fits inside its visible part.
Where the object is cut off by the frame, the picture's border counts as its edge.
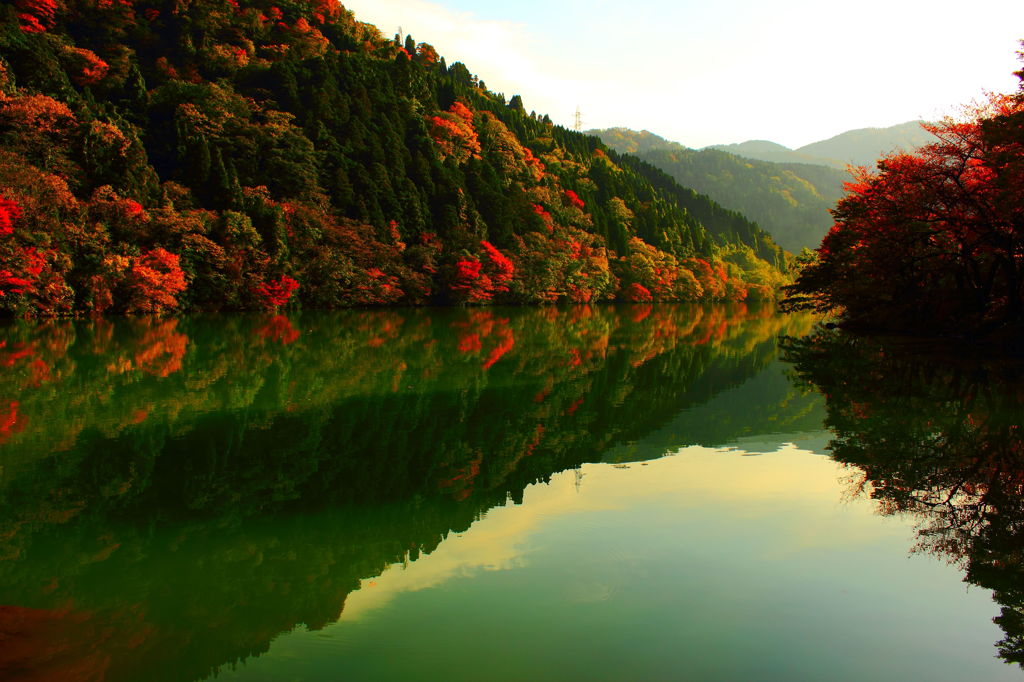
(160, 155)
(790, 201)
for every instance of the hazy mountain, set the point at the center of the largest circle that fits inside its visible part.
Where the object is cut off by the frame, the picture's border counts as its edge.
(863, 147)
(860, 147)
(763, 150)
(788, 200)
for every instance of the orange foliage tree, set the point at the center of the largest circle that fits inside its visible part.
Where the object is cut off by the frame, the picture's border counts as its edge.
(155, 279)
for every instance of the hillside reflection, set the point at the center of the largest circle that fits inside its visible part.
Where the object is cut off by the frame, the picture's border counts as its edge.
(175, 493)
(939, 438)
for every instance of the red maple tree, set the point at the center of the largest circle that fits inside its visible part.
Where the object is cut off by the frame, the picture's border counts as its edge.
(932, 240)
(274, 294)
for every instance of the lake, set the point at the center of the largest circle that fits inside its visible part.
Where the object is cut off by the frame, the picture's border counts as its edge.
(582, 493)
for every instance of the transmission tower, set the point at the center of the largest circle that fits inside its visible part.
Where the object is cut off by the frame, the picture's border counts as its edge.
(577, 121)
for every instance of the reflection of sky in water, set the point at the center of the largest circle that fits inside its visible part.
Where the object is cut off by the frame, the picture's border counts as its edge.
(705, 565)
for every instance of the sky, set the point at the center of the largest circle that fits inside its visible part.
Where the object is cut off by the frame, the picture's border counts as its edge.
(704, 72)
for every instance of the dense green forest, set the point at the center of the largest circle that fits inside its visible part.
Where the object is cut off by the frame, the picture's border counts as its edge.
(164, 155)
(790, 201)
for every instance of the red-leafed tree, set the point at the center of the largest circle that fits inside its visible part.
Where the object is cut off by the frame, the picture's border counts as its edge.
(275, 293)
(85, 66)
(10, 283)
(27, 270)
(500, 267)
(931, 241)
(712, 284)
(573, 199)
(637, 293)
(36, 16)
(9, 213)
(12, 279)
(326, 11)
(466, 281)
(477, 278)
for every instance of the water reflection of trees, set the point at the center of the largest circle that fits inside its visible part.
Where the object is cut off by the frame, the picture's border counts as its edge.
(175, 493)
(939, 436)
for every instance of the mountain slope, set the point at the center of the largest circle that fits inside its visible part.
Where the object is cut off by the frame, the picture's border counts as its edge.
(790, 201)
(250, 154)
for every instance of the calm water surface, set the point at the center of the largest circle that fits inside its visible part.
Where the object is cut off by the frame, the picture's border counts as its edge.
(588, 493)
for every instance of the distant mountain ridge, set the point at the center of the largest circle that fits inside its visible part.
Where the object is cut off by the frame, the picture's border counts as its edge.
(789, 200)
(861, 147)
(787, 192)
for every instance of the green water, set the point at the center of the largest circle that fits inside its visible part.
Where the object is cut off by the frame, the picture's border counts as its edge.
(588, 493)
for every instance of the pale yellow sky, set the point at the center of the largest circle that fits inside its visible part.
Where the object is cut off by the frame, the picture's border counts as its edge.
(793, 71)
(691, 479)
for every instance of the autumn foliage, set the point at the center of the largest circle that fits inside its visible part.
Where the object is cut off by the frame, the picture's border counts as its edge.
(9, 212)
(275, 293)
(155, 280)
(454, 134)
(932, 241)
(86, 68)
(480, 276)
(573, 199)
(638, 293)
(36, 16)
